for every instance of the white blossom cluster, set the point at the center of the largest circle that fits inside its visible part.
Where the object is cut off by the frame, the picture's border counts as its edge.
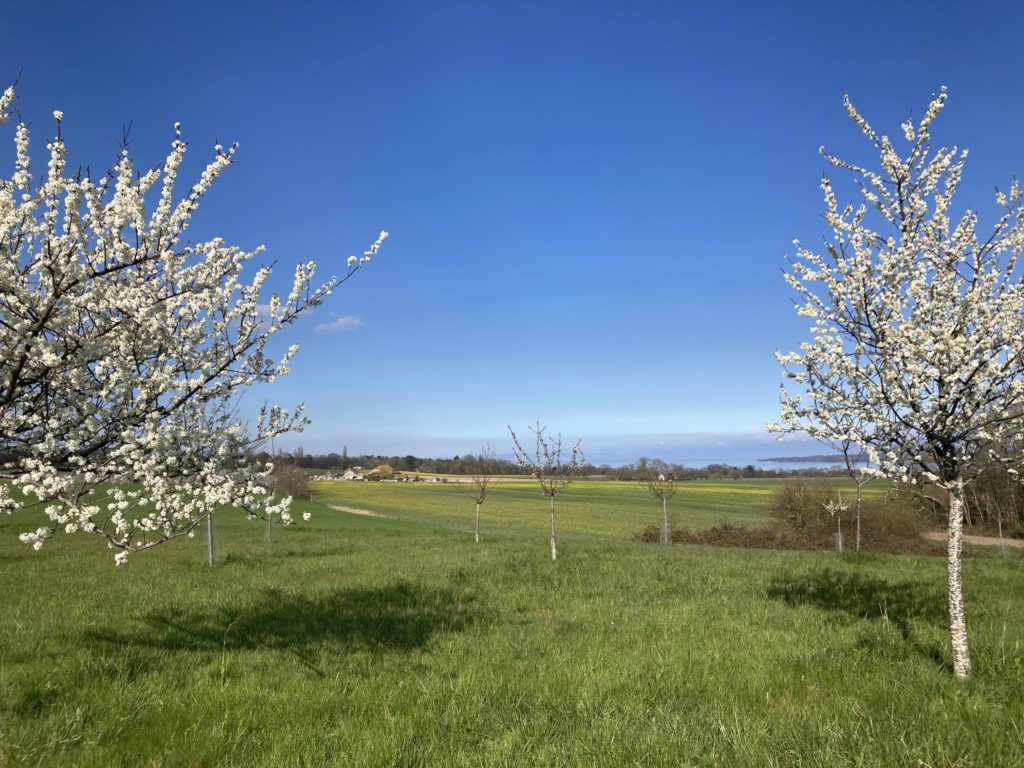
(123, 347)
(917, 320)
(836, 507)
(545, 463)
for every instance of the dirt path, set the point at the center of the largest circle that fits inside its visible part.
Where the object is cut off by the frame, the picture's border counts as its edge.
(989, 541)
(355, 511)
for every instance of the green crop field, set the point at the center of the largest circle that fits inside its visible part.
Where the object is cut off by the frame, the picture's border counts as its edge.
(598, 507)
(372, 641)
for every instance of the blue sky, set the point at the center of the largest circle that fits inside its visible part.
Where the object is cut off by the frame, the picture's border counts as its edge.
(590, 203)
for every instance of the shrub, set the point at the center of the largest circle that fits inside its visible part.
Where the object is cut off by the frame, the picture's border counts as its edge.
(890, 526)
(288, 479)
(801, 502)
(886, 526)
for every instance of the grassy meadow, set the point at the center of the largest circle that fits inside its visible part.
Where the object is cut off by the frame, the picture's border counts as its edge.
(359, 640)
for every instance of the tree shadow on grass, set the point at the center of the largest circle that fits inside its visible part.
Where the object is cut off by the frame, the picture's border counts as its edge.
(898, 603)
(398, 617)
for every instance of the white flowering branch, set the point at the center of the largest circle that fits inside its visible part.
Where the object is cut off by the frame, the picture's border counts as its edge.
(123, 347)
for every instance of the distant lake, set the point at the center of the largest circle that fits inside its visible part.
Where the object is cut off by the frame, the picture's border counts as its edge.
(697, 463)
(700, 451)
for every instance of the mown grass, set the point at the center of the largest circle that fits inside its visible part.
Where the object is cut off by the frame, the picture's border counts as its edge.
(370, 641)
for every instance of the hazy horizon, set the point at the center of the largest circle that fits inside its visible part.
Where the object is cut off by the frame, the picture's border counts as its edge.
(690, 450)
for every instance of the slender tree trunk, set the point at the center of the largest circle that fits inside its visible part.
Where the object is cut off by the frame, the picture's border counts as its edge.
(666, 537)
(978, 507)
(957, 619)
(209, 539)
(476, 531)
(270, 528)
(860, 497)
(839, 534)
(554, 545)
(999, 522)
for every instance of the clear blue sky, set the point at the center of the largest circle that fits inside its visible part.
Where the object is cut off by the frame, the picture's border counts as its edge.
(589, 202)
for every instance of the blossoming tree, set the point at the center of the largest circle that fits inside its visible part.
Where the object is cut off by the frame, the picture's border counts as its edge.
(123, 347)
(917, 322)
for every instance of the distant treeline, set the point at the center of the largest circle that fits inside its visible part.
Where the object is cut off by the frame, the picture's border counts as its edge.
(462, 465)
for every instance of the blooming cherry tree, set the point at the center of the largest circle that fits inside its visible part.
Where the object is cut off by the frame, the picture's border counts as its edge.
(124, 346)
(917, 322)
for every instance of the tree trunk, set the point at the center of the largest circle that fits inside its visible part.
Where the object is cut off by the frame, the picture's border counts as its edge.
(666, 536)
(957, 620)
(839, 534)
(270, 528)
(860, 497)
(554, 545)
(476, 530)
(1002, 546)
(209, 539)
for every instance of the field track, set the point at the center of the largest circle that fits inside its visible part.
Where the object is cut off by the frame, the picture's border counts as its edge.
(988, 541)
(355, 511)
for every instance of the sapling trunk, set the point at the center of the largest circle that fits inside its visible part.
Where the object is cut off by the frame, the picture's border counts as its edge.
(270, 528)
(209, 539)
(554, 544)
(839, 533)
(666, 537)
(476, 531)
(957, 619)
(1002, 545)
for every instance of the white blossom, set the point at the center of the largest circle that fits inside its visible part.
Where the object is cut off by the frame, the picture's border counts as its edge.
(124, 346)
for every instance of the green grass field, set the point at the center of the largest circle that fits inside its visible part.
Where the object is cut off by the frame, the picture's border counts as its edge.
(398, 641)
(597, 507)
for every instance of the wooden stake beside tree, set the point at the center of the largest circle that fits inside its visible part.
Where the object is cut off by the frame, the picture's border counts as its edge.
(916, 328)
(546, 465)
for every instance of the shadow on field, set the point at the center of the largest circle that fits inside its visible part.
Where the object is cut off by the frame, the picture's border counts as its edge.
(400, 617)
(897, 603)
